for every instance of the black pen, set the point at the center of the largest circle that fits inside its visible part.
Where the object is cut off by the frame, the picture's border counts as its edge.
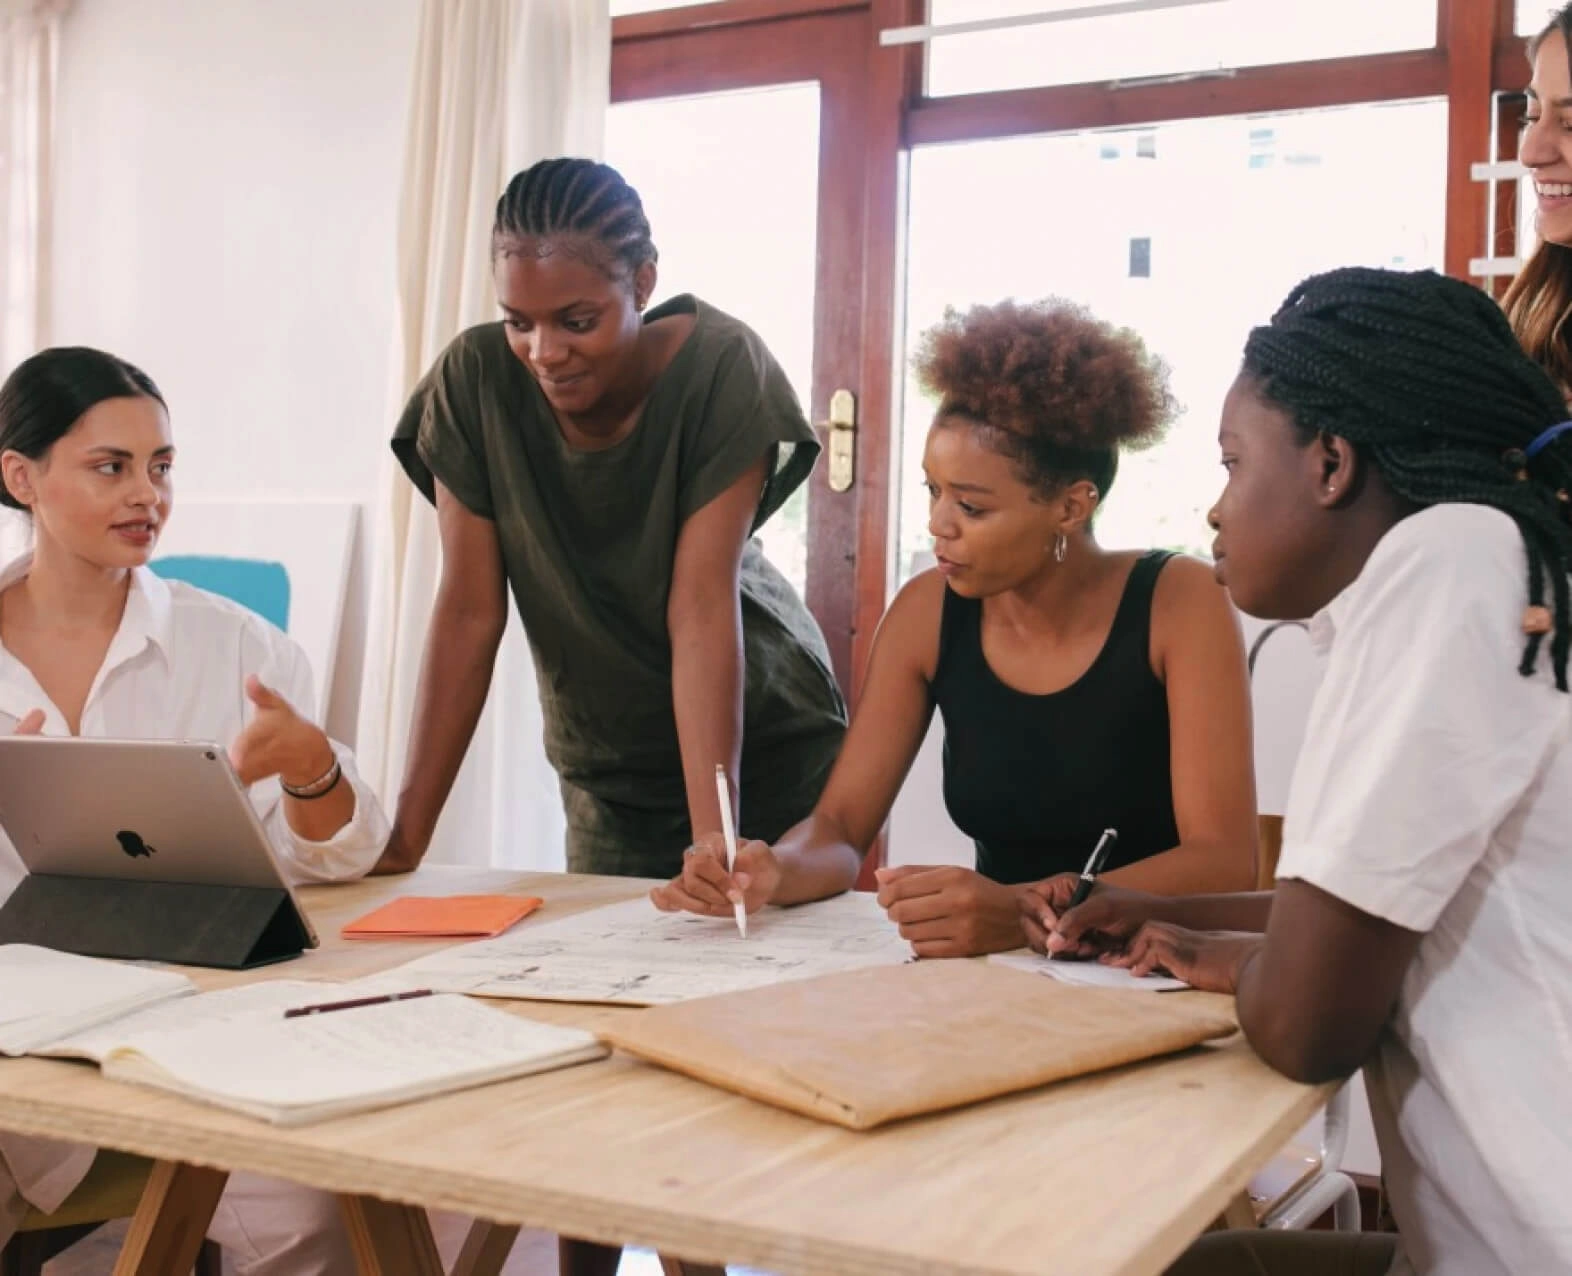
(327, 1007)
(1094, 866)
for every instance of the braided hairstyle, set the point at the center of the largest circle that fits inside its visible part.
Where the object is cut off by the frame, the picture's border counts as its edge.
(1422, 374)
(578, 199)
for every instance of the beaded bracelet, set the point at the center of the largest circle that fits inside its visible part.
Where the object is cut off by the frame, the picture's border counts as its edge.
(320, 787)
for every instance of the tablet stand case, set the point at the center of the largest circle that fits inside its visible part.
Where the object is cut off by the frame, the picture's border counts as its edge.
(232, 927)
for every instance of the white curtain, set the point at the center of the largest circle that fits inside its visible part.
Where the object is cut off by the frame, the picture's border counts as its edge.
(29, 41)
(498, 85)
(29, 45)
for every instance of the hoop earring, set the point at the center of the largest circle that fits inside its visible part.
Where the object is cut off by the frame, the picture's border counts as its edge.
(1061, 546)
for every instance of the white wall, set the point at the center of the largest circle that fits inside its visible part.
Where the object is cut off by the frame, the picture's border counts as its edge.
(227, 189)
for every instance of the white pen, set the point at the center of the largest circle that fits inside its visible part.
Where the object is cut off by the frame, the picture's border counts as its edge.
(723, 791)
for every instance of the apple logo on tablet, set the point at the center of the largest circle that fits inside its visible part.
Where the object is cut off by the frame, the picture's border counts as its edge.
(133, 845)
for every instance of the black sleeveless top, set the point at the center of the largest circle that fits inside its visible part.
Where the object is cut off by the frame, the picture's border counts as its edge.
(1034, 780)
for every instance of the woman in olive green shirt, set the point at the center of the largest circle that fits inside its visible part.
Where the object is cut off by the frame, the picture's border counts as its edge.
(611, 466)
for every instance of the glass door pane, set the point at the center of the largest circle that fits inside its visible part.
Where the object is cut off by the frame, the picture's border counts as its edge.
(1533, 16)
(736, 224)
(1187, 232)
(1201, 36)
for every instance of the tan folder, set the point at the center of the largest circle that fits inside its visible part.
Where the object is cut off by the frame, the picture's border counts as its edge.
(863, 1047)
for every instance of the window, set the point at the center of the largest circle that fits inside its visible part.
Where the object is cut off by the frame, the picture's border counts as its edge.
(990, 220)
(1210, 35)
(1533, 15)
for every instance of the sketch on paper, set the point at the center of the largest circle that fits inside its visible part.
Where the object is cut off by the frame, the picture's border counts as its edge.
(633, 954)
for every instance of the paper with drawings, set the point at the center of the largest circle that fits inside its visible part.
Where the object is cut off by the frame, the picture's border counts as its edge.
(634, 954)
(1087, 974)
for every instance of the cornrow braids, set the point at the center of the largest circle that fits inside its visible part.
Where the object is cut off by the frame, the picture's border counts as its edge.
(578, 199)
(1424, 374)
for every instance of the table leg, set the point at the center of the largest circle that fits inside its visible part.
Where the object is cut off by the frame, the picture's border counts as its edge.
(1239, 1213)
(486, 1248)
(171, 1219)
(390, 1239)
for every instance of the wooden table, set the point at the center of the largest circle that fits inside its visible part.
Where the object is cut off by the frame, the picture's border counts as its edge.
(1110, 1175)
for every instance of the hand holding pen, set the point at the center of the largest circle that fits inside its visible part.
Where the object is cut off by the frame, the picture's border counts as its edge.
(1044, 903)
(721, 873)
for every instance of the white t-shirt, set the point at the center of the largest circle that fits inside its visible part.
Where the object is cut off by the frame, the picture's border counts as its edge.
(1435, 790)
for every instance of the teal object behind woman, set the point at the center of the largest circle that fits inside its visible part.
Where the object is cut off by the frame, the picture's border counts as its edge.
(261, 586)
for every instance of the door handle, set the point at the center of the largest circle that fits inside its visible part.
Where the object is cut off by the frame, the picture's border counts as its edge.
(842, 430)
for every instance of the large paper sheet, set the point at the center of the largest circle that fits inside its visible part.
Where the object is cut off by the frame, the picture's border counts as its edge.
(634, 954)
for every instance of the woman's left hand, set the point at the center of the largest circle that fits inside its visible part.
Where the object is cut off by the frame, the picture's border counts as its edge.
(948, 911)
(1208, 960)
(278, 741)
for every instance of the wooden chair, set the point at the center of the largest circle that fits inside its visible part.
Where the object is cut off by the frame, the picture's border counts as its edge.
(110, 1191)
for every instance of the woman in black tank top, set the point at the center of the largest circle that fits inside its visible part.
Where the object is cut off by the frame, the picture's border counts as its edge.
(1080, 688)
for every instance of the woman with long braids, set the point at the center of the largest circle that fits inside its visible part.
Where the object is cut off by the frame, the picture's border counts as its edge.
(1399, 469)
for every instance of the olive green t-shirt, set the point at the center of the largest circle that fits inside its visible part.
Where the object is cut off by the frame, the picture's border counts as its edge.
(589, 540)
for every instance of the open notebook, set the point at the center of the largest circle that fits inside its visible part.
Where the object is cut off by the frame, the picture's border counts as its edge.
(47, 995)
(235, 1048)
(292, 1071)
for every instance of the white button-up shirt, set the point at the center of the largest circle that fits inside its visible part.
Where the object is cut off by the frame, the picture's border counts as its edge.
(1434, 790)
(176, 669)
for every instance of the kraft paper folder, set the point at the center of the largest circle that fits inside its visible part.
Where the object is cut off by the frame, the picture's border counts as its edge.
(863, 1047)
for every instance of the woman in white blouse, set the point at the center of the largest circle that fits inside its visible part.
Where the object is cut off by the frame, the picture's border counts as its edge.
(93, 643)
(1399, 470)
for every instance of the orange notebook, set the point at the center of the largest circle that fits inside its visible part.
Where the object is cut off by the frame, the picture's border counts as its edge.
(442, 917)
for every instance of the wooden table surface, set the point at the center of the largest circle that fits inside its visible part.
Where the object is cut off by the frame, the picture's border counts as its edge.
(1110, 1175)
